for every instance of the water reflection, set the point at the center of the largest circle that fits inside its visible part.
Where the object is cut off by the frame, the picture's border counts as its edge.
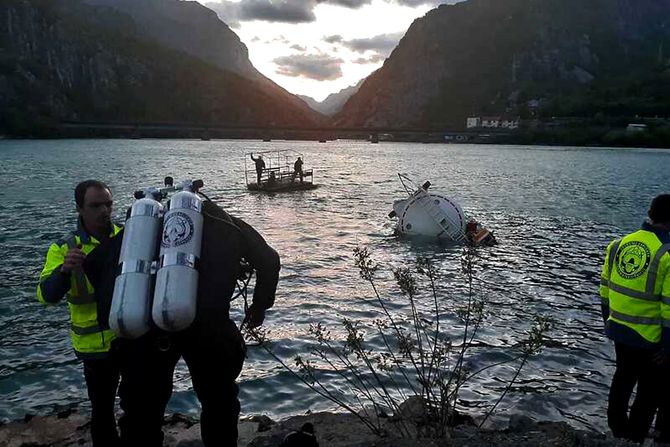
(552, 209)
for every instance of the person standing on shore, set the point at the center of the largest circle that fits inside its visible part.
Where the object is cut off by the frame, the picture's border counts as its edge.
(212, 347)
(65, 273)
(260, 165)
(635, 299)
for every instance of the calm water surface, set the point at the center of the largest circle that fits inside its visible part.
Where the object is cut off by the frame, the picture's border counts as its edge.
(552, 209)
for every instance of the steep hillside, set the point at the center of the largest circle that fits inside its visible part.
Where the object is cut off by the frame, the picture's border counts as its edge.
(333, 102)
(522, 57)
(191, 28)
(64, 60)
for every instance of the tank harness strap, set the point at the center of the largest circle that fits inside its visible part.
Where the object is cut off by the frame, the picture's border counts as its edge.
(83, 295)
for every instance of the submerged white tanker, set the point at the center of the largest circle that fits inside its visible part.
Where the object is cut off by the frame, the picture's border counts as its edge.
(435, 215)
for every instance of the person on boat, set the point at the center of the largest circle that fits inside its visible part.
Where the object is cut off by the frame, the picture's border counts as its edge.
(212, 347)
(297, 169)
(260, 165)
(635, 301)
(67, 273)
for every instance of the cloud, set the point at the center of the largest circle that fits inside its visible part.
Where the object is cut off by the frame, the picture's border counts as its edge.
(375, 58)
(382, 44)
(298, 47)
(321, 67)
(333, 39)
(292, 11)
(227, 11)
(354, 4)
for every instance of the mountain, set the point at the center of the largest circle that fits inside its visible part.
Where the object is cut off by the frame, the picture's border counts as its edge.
(577, 58)
(64, 60)
(191, 28)
(333, 102)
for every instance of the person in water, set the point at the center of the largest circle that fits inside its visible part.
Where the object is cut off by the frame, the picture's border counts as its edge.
(635, 302)
(297, 169)
(212, 347)
(260, 166)
(66, 273)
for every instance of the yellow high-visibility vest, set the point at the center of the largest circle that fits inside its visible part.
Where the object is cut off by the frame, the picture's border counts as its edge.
(88, 338)
(635, 284)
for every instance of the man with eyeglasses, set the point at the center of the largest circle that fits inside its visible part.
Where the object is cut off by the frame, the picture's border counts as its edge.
(67, 273)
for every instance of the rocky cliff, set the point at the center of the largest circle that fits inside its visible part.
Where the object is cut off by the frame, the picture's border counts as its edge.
(333, 102)
(66, 60)
(522, 57)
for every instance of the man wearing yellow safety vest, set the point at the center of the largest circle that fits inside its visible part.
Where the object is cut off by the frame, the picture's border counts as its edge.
(66, 273)
(635, 297)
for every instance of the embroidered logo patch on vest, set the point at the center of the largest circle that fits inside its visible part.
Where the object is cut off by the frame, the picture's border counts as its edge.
(177, 230)
(632, 259)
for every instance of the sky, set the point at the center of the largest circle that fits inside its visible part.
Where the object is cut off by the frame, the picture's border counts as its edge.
(319, 47)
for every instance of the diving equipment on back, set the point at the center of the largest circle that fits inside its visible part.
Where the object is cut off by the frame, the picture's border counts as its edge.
(131, 303)
(179, 231)
(177, 279)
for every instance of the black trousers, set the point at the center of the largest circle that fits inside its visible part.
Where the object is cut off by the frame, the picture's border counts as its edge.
(102, 380)
(634, 366)
(214, 356)
(663, 416)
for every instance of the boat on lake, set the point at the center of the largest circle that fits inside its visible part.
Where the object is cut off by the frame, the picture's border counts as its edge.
(282, 170)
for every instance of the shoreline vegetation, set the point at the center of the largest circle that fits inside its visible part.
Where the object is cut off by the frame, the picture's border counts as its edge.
(71, 428)
(654, 135)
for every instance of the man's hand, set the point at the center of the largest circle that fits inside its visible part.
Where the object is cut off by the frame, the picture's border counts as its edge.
(254, 317)
(74, 260)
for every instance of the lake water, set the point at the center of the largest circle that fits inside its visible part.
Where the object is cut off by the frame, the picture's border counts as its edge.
(552, 209)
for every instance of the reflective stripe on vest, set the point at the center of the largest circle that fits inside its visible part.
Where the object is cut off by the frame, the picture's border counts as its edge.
(653, 268)
(83, 295)
(85, 330)
(635, 319)
(638, 309)
(610, 264)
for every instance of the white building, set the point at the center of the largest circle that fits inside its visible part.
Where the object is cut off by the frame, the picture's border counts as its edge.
(510, 123)
(632, 128)
(473, 122)
(491, 121)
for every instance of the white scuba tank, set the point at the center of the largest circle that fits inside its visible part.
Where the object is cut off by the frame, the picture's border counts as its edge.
(174, 303)
(130, 314)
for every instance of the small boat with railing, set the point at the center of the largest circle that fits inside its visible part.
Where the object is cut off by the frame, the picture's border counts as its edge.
(277, 171)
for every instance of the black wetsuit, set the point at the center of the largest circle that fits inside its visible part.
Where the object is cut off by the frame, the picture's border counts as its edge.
(212, 346)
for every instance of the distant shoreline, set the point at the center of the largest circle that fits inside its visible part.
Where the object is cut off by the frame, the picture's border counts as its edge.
(587, 136)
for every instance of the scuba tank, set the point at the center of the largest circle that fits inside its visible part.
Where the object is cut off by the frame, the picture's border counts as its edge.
(175, 296)
(130, 311)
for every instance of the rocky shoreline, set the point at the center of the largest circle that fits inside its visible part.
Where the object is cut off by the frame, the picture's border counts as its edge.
(71, 428)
